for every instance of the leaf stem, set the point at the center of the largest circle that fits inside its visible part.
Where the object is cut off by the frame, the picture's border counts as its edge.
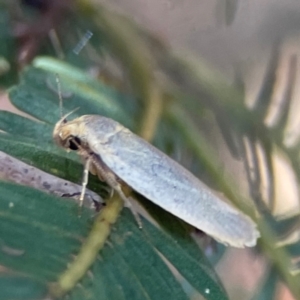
(151, 114)
(90, 248)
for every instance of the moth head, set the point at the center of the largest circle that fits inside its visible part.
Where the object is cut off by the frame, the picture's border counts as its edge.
(68, 134)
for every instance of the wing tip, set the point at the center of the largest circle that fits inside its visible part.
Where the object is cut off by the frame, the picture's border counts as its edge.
(250, 241)
(253, 240)
(247, 239)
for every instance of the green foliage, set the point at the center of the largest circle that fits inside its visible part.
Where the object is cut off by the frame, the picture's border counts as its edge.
(49, 231)
(40, 234)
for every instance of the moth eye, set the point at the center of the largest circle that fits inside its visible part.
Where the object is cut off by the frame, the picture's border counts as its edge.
(73, 143)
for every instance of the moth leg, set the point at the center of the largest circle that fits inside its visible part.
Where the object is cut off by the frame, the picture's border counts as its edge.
(112, 180)
(84, 180)
(117, 187)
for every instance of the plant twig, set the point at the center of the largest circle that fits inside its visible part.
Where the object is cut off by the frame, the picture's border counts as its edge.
(90, 249)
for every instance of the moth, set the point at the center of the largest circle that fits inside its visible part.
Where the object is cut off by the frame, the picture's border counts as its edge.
(117, 155)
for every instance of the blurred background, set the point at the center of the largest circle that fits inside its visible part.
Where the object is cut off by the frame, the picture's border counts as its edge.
(233, 66)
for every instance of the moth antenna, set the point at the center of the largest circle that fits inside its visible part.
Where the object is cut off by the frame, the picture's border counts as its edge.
(59, 95)
(64, 118)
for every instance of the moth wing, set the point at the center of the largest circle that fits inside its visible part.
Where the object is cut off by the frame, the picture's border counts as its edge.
(167, 184)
